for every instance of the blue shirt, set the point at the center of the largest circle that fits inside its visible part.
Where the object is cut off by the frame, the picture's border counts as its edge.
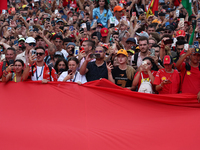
(102, 18)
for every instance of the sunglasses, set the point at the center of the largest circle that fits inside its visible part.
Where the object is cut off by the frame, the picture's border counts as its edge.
(98, 51)
(40, 54)
(179, 49)
(168, 31)
(32, 44)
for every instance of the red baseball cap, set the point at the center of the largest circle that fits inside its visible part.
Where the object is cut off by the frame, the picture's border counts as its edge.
(123, 2)
(104, 32)
(167, 60)
(180, 33)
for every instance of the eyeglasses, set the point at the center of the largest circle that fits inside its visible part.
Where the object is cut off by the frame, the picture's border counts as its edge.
(168, 31)
(179, 49)
(70, 47)
(98, 51)
(32, 44)
(39, 54)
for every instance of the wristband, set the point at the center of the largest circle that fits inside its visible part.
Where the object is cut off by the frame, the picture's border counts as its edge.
(29, 65)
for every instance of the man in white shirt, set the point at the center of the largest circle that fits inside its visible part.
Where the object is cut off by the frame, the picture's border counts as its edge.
(37, 69)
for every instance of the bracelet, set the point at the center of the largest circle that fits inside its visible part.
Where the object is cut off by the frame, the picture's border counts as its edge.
(29, 65)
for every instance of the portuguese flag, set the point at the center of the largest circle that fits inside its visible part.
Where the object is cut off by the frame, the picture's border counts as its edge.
(187, 4)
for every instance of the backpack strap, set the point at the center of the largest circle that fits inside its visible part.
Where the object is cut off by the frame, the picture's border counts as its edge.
(187, 66)
(50, 69)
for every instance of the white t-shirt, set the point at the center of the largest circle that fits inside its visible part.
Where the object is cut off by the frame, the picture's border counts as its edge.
(77, 77)
(139, 60)
(38, 73)
(65, 53)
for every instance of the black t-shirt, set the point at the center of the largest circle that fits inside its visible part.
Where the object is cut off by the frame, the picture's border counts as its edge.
(120, 77)
(95, 72)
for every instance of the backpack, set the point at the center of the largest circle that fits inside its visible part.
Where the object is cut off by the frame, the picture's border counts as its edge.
(146, 86)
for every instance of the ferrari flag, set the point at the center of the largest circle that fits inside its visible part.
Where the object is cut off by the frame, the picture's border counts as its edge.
(97, 115)
(153, 6)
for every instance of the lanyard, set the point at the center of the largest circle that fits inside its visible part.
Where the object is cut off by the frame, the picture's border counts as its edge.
(74, 77)
(40, 73)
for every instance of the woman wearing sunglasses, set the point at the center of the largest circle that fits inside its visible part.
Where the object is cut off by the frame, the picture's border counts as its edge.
(17, 75)
(72, 75)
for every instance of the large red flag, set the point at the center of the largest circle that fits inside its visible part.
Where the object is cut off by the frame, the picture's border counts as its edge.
(97, 115)
(3, 4)
(153, 6)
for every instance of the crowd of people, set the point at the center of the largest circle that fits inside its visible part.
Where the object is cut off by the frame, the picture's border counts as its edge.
(119, 40)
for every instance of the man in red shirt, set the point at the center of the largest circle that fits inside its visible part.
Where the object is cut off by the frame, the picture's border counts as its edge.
(167, 80)
(190, 71)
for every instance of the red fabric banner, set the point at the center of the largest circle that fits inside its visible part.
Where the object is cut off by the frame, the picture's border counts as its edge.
(94, 116)
(3, 4)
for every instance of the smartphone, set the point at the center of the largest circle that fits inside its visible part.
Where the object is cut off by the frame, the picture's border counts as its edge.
(88, 26)
(71, 28)
(167, 16)
(124, 18)
(196, 44)
(30, 28)
(11, 62)
(168, 41)
(133, 13)
(9, 28)
(152, 52)
(177, 13)
(182, 22)
(156, 13)
(76, 50)
(112, 20)
(16, 42)
(56, 11)
(83, 25)
(33, 52)
(144, 62)
(4, 11)
(69, 71)
(99, 36)
(82, 50)
(61, 70)
(95, 56)
(194, 22)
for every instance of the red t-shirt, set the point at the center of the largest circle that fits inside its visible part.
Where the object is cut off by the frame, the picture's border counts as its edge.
(145, 77)
(171, 88)
(191, 80)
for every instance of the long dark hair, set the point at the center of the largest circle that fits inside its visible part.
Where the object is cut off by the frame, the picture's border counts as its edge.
(21, 61)
(105, 6)
(58, 61)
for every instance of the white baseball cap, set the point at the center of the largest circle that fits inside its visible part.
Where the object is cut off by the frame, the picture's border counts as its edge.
(30, 40)
(143, 33)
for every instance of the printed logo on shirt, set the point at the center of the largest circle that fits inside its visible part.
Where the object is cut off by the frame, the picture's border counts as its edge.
(96, 17)
(104, 15)
(145, 80)
(121, 75)
(188, 73)
(164, 78)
